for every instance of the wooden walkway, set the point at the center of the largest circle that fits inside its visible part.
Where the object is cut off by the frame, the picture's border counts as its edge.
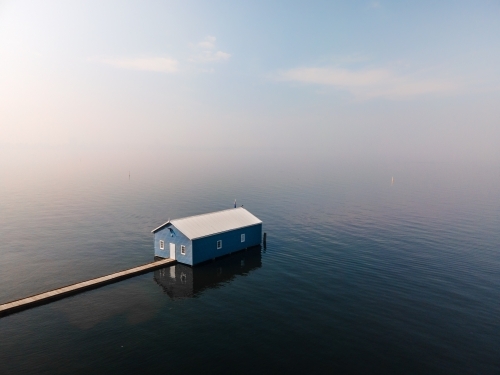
(42, 298)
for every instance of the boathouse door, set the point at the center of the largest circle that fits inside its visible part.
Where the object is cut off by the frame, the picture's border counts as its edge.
(172, 250)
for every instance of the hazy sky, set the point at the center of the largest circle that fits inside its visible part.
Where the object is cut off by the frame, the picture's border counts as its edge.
(366, 79)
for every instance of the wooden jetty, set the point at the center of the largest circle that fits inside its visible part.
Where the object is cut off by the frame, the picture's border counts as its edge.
(42, 298)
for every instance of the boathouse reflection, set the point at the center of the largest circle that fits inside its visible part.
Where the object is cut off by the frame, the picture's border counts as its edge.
(182, 281)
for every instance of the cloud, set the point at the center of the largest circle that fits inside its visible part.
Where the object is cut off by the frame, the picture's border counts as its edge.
(205, 52)
(209, 56)
(374, 5)
(152, 64)
(368, 83)
(208, 42)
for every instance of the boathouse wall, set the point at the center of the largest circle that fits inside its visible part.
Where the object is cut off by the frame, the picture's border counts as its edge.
(205, 248)
(176, 237)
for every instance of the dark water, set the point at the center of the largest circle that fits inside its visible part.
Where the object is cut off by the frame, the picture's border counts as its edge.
(359, 276)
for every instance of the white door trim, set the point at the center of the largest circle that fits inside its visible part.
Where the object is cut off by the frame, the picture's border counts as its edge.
(172, 250)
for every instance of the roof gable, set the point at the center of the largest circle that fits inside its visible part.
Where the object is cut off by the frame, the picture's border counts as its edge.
(212, 223)
(161, 227)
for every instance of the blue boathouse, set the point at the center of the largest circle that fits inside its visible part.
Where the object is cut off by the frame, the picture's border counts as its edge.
(196, 239)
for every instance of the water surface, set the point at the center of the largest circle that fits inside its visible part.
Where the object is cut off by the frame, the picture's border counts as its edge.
(359, 275)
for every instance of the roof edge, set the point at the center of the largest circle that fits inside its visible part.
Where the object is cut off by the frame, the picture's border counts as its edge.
(160, 227)
(209, 213)
(224, 231)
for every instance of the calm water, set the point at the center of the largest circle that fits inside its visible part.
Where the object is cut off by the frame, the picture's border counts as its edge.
(359, 276)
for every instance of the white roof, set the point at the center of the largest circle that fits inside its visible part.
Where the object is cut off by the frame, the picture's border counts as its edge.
(215, 222)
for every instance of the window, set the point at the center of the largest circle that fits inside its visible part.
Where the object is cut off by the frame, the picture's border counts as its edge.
(219, 244)
(243, 237)
(183, 250)
(162, 245)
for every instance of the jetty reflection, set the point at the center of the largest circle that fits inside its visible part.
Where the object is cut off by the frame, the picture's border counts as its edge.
(182, 281)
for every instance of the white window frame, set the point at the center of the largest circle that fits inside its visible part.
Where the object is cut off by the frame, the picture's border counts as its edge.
(183, 249)
(162, 245)
(219, 244)
(243, 237)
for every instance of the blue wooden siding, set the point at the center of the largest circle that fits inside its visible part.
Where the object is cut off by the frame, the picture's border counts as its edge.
(178, 239)
(206, 248)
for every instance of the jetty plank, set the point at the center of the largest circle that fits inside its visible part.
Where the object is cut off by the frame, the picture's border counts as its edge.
(52, 295)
